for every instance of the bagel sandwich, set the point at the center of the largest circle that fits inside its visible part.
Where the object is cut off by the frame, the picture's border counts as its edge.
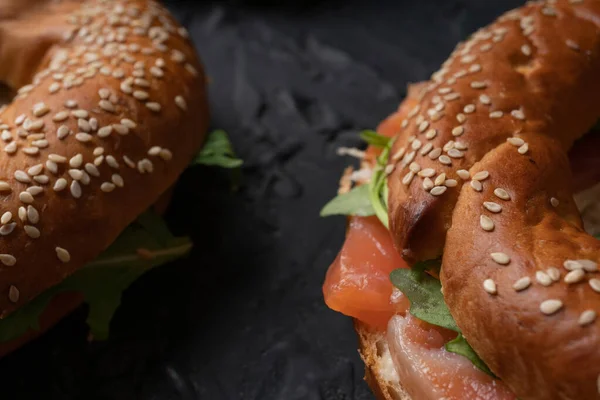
(470, 264)
(107, 108)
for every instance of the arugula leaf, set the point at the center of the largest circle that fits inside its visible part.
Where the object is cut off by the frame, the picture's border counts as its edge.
(460, 346)
(217, 151)
(375, 139)
(426, 299)
(427, 303)
(378, 186)
(355, 202)
(145, 244)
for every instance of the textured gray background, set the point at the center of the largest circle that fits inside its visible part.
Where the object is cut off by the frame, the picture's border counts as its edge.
(243, 318)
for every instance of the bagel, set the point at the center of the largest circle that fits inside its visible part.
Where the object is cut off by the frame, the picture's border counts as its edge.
(479, 176)
(110, 107)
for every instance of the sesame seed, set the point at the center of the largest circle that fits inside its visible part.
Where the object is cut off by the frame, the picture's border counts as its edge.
(553, 273)
(9, 260)
(408, 158)
(11, 148)
(33, 215)
(522, 284)
(141, 95)
(572, 45)
(83, 137)
(60, 184)
(62, 132)
(128, 123)
(180, 102)
(440, 179)
(35, 170)
(492, 207)
(399, 154)
(22, 176)
(427, 173)
(431, 134)
(485, 99)
(486, 223)
(550, 307)
(57, 158)
(595, 284)
(20, 119)
(457, 131)
(515, 141)
(98, 160)
(588, 265)
(6, 217)
(121, 129)
(543, 278)
(554, 202)
(190, 68)
(118, 180)
(75, 189)
(35, 190)
(445, 160)
(107, 187)
(7, 229)
(474, 68)
(414, 167)
(427, 184)
(478, 85)
(92, 169)
(500, 258)
(455, 153)
(502, 194)
(477, 186)
(13, 292)
(76, 161)
(26, 197)
(574, 276)
(98, 151)
(32, 231)
(93, 124)
(71, 103)
(80, 114)
(438, 190)
(107, 106)
(61, 116)
(76, 174)
(166, 154)
(157, 72)
(5, 187)
(518, 114)
(406, 180)
(105, 131)
(435, 153)
(62, 254)
(452, 96)
(112, 162)
(104, 93)
(153, 106)
(523, 149)
(490, 286)
(587, 317)
(461, 118)
(31, 150)
(52, 166)
(496, 114)
(40, 109)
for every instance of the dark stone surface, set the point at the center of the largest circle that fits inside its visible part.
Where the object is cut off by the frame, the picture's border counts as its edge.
(243, 318)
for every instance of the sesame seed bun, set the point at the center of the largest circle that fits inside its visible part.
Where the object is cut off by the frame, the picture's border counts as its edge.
(110, 109)
(479, 174)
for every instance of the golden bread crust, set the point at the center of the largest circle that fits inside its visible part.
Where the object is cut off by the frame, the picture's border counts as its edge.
(505, 109)
(113, 111)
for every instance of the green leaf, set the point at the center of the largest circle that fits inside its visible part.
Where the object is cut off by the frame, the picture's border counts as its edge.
(217, 151)
(374, 139)
(145, 244)
(426, 299)
(355, 202)
(462, 347)
(378, 186)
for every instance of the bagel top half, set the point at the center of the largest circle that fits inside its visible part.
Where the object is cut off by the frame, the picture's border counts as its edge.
(479, 174)
(110, 108)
